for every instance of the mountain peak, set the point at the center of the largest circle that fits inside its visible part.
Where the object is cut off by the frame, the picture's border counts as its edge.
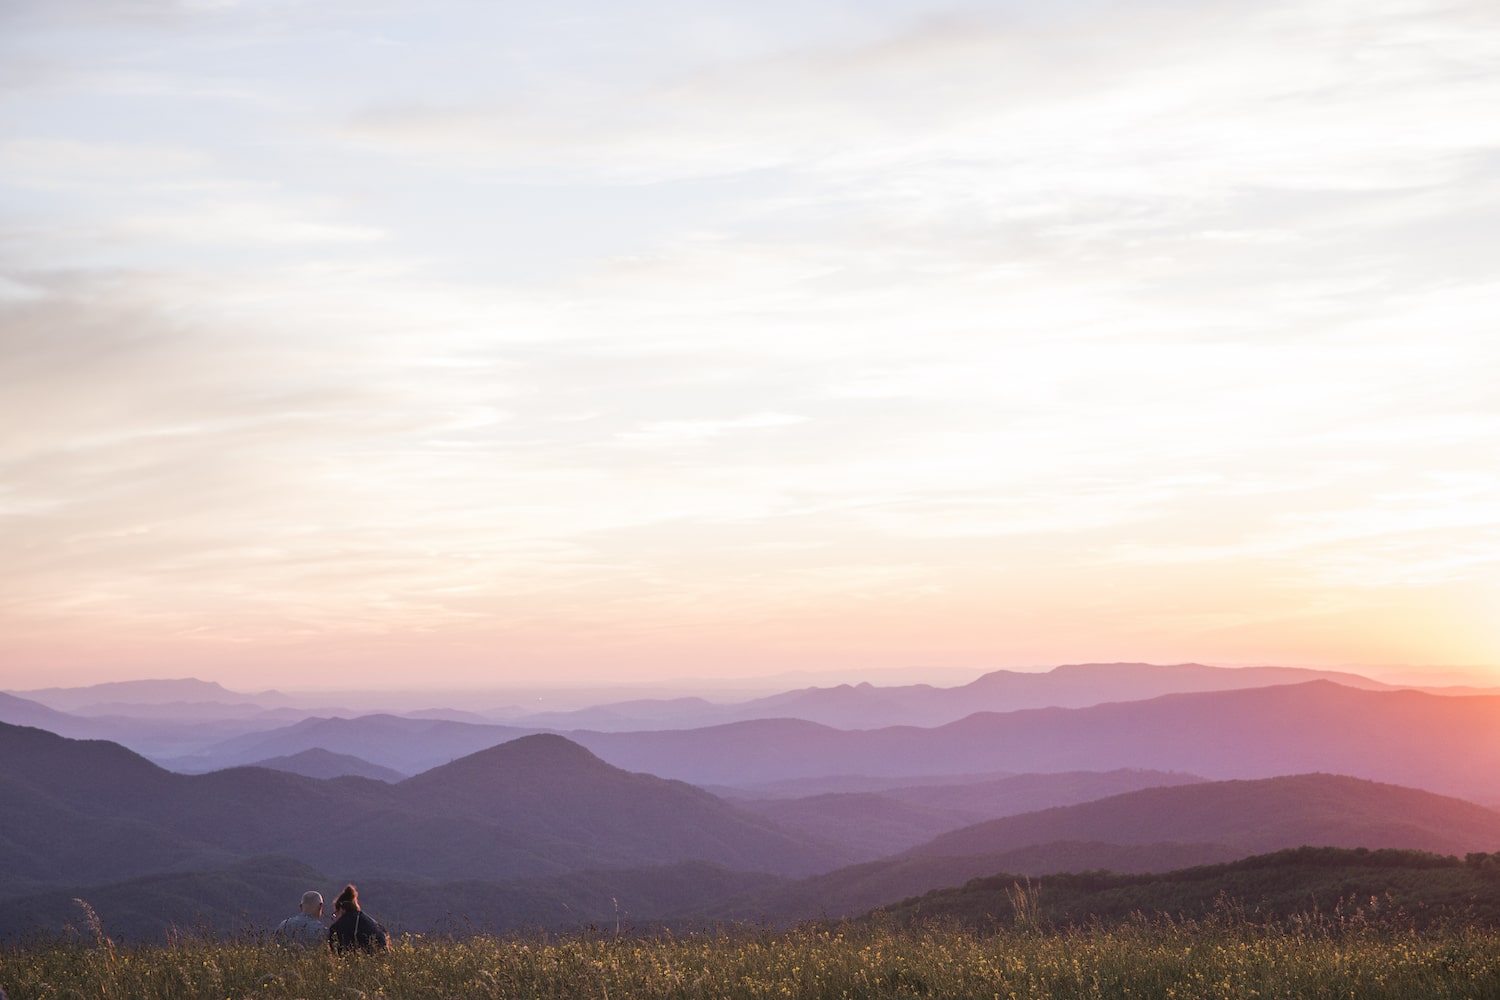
(542, 758)
(539, 748)
(316, 762)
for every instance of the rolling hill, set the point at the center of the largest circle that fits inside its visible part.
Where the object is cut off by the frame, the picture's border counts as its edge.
(1252, 816)
(883, 823)
(86, 811)
(545, 788)
(1152, 830)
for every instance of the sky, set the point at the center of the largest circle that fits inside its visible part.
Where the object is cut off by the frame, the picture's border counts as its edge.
(368, 343)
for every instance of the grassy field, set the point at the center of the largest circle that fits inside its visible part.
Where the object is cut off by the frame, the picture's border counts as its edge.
(1224, 957)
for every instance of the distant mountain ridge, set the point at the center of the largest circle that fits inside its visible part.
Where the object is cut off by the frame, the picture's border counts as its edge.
(1447, 744)
(846, 706)
(179, 722)
(1443, 743)
(144, 692)
(867, 706)
(159, 730)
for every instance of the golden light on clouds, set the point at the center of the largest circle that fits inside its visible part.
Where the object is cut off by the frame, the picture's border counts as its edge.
(476, 343)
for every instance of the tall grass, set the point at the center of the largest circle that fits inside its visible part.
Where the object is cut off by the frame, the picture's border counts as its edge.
(1219, 958)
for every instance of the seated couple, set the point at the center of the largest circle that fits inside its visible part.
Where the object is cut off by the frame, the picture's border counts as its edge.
(351, 930)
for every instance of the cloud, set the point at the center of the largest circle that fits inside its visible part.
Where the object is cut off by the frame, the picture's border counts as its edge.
(678, 433)
(1176, 96)
(68, 164)
(235, 224)
(1224, 171)
(1016, 307)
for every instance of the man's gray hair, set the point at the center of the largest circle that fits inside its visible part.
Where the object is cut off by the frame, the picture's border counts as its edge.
(312, 896)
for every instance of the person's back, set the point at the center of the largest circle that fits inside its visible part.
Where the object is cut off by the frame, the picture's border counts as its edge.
(306, 926)
(302, 929)
(352, 930)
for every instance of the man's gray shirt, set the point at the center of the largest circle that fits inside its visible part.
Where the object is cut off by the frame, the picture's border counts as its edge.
(303, 929)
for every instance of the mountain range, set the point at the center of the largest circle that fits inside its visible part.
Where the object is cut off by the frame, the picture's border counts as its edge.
(148, 693)
(1444, 743)
(867, 706)
(86, 811)
(519, 825)
(167, 719)
(781, 815)
(1447, 744)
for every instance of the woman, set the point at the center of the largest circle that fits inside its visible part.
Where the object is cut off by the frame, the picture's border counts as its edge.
(352, 930)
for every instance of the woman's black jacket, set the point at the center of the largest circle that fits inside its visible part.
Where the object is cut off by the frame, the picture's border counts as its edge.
(353, 931)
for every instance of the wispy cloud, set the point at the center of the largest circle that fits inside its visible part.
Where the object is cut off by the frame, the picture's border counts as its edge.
(848, 333)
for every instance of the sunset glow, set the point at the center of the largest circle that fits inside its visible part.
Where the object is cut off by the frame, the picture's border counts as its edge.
(460, 344)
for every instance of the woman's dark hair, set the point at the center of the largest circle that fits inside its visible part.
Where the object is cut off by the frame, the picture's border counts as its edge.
(348, 899)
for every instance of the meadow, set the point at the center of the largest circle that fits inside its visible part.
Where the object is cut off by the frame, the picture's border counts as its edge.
(1221, 957)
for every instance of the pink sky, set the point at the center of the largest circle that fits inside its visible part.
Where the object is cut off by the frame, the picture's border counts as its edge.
(478, 345)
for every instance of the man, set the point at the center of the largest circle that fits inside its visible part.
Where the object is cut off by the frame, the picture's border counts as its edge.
(306, 925)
